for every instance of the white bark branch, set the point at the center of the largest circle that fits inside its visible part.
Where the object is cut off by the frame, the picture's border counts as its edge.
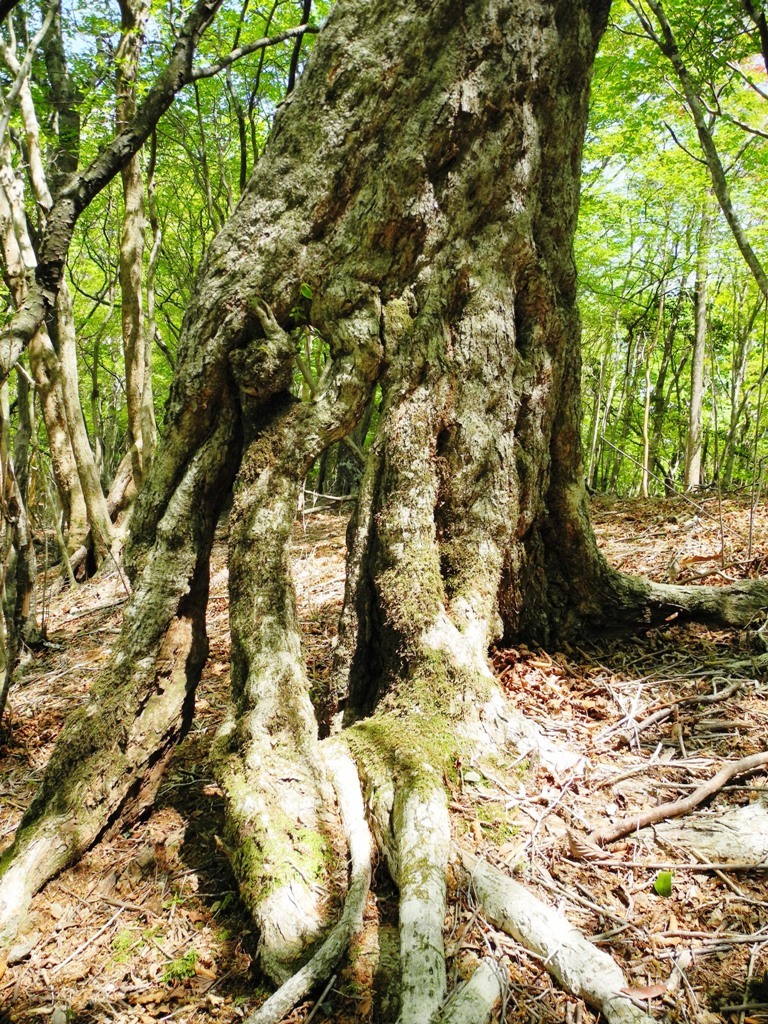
(422, 840)
(474, 1002)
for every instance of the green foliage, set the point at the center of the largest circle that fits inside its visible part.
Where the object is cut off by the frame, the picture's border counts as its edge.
(637, 250)
(202, 154)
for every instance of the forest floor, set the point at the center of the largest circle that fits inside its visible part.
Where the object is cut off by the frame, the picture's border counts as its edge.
(148, 926)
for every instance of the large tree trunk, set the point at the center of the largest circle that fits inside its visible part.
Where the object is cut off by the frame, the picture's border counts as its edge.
(423, 181)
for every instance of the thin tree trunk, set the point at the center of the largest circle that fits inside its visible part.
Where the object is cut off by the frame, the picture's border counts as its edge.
(19, 567)
(742, 325)
(667, 43)
(102, 530)
(645, 474)
(19, 259)
(134, 17)
(660, 394)
(693, 441)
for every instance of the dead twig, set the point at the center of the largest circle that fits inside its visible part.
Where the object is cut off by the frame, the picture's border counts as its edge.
(89, 942)
(677, 808)
(662, 714)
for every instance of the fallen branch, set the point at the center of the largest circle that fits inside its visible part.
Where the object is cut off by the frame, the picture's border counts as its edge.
(581, 968)
(88, 942)
(661, 714)
(347, 785)
(677, 808)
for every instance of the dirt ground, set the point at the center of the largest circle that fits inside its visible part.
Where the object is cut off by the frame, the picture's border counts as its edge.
(148, 926)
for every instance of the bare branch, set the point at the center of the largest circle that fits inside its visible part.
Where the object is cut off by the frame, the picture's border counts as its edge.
(292, 71)
(242, 51)
(645, 21)
(753, 85)
(678, 143)
(23, 68)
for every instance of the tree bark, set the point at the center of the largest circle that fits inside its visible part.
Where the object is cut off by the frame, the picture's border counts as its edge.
(102, 530)
(19, 259)
(423, 182)
(693, 440)
(134, 17)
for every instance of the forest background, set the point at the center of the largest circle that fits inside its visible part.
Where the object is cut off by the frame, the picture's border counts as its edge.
(674, 324)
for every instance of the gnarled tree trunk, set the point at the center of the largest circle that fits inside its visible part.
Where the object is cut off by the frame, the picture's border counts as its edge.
(423, 181)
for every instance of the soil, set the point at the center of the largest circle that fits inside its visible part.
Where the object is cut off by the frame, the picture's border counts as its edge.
(148, 926)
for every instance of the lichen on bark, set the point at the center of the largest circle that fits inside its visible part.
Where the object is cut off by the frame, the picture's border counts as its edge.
(423, 181)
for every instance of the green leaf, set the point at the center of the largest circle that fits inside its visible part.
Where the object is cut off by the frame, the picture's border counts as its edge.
(663, 884)
(306, 291)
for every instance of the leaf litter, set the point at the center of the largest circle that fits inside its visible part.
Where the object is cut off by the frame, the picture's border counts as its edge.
(148, 926)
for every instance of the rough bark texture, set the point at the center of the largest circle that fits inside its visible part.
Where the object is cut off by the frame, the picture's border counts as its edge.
(111, 752)
(423, 181)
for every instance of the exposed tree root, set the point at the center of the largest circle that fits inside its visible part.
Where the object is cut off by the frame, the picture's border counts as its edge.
(268, 761)
(738, 835)
(111, 753)
(677, 808)
(276, 843)
(737, 605)
(347, 786)
(473, 1002)
(579, 966)
(421, 833)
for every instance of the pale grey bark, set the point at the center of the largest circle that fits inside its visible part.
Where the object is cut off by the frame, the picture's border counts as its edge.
(693, 446)
(272, 729)
(422, 834)
(744, 317)
(582, 968)
(19, 260)
(475, 1001)
(111, 753)
(17, 572)
(131, 263)
(54, 366)
(102, 529)
(154, 241)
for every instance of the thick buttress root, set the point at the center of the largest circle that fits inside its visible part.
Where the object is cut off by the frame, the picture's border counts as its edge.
(350, 802)
(112, 751)
(408, 809)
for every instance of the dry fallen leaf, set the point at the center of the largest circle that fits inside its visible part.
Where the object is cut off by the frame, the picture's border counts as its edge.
(645, 991)
(583, 849)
